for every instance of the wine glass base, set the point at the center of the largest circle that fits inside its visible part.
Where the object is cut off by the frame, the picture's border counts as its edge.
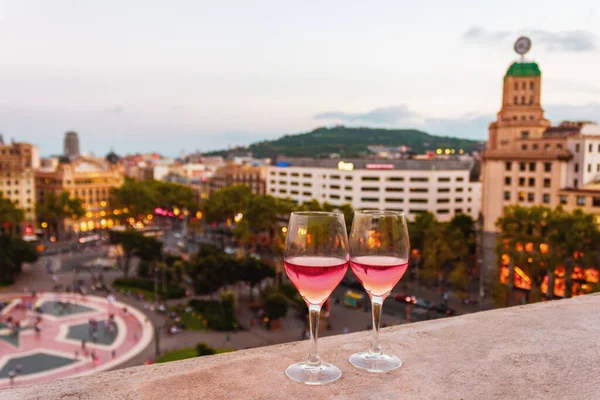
(313, 375)
(375, 363)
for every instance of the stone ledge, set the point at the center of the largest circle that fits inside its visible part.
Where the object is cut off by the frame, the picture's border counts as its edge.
(546, 350)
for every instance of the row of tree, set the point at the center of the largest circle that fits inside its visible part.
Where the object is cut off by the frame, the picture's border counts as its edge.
(539, 240)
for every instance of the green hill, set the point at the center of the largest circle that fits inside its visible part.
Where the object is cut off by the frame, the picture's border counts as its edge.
(353, 142)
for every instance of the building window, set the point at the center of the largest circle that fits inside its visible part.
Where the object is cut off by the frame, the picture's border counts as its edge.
(370, 178)
(599, 148)
(440, 201)
(523, 147)
(516, 100)
(522, 167)
(576, 183)
(507, 180)
(516, 86)
(531, 85)
(458, 211)
(393, 200)
(458, 200)
(522, 99)
(418, 190)
(272, 190)
(370, 189)
(306, 194)
(563, 199)
(348, 198)
(419, 179)
(589, 167)
(334, 187)
(597, 167)
(521, 196)
(576, 167)
(546, 198)
(458, 190)
(370, 199)
(515, 118)
(547, 167)
(443, 190)
(581, 200)
(394, 189)
(295, 174)
(524, 134)
(535, 146)
(336, 177)
(418, 201)
(272, 183)
(508, 166)
(559, 146)
(530, 197)
(283, 182)
(272, 173)
(524, 85)
(547, 146)
(521, 181)
(307, 184)
(531, 182)
(546, 182)
(348, 177)
(307, 175)
(590, 148)
(294, 183)
(347, 187)
(577, 148)
(530, 100)
(395, 179)
(444, 179)
(506, 195)
(531, 166)
(334, 196)
(294, 192)
(596, 201)
(443, 211)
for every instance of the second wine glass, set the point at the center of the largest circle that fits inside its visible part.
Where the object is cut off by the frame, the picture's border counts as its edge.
(379, 250)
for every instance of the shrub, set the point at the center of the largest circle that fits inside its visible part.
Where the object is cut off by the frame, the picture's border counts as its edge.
(218, 314)
(276, 306)
(171, 291)
(203, 350)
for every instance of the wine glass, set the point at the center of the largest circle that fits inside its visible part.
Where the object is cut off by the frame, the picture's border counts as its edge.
(316, 260)
(379, 250)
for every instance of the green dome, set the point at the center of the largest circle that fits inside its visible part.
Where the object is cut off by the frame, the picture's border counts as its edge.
(524, 69)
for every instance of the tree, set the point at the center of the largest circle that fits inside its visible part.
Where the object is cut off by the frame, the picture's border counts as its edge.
(135, 244)
(14, 252)
(224, 204)
(466, 225)
(254, 271)
(444, 249)
(56, 208)
(348, 212)
(276, 306)
(10, 215)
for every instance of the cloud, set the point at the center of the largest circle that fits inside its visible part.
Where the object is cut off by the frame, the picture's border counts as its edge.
(575, 41)
(473, 125)
(116, 109)
(382, 115)
(570, 86)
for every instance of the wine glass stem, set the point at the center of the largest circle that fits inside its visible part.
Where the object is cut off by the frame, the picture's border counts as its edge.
(314, 311)
(376, 305)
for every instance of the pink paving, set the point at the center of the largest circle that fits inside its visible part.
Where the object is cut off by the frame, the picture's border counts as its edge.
(134, 334)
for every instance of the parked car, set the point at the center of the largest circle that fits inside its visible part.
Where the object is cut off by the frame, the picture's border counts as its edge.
(402, 298)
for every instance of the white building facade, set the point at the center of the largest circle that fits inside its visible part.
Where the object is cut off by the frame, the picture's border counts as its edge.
(443, 187)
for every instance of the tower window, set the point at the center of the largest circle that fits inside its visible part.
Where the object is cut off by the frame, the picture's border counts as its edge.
(531, 100)
(516, 86)
(516, 100)
(522, 99)
(531, 85)
(523, 117)
(524, 85)
(590, 148)
(576, 167)
(524, 134)
(577, 148)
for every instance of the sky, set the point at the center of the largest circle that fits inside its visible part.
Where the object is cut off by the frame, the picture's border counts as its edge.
(173, 76)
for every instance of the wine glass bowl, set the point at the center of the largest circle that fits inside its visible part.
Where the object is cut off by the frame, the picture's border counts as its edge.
(379, 249)
(315, 260)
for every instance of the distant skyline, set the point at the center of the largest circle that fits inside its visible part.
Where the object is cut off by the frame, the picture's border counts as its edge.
(142, 76)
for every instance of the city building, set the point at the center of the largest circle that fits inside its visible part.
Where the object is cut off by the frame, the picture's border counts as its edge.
(445, 187)
(71, 145)
(88, 179)
(528, 162)
(17, 164)
(235, 174)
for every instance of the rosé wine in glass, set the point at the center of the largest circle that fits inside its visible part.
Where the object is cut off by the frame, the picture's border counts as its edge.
(315, 277)
(378, 274)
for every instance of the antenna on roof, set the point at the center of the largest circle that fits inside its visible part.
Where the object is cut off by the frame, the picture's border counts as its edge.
(522, 46)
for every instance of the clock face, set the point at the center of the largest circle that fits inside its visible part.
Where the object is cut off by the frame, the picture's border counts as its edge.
(522, 45)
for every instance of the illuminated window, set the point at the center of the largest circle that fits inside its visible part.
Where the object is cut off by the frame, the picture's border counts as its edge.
(524, 134)
(521, 196)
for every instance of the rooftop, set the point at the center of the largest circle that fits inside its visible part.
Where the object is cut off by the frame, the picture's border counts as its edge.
(544, 350)
(520, 69)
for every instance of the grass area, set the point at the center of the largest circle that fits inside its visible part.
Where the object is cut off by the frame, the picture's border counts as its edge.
(148, 295)
(185, 353)
(193, 321)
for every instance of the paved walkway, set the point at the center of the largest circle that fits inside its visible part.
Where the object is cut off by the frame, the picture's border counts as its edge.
(57, 350)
